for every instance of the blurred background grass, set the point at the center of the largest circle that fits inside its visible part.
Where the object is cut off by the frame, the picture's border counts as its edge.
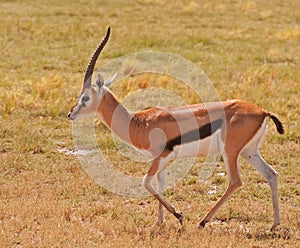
(249, 49)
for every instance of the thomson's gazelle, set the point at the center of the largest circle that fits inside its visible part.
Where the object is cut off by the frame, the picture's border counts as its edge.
(232, 128)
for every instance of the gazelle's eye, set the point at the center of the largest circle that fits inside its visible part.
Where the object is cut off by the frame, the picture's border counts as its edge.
(85, 98)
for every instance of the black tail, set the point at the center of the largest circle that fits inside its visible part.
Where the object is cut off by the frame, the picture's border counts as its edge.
(277, 122)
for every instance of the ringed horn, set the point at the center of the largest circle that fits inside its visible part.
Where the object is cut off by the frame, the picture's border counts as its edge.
(90, 68)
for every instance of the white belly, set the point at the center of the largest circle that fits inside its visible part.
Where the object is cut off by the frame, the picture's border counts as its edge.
(209, 146)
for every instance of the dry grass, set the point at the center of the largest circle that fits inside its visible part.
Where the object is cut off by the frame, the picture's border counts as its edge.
(249, 49)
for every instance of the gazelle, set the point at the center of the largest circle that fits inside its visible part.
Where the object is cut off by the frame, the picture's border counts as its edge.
(233, 128)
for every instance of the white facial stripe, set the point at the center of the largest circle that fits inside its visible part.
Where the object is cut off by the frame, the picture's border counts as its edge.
(88, 101)
(85, 99)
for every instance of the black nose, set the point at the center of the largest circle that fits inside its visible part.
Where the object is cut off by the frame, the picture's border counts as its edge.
(69, 114)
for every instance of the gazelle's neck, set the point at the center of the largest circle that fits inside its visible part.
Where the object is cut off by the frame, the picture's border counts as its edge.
(115, 115)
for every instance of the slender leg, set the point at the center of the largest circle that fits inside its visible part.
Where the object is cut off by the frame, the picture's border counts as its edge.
(155, 167)
(234, 183)
(161, 182)
(255, 159)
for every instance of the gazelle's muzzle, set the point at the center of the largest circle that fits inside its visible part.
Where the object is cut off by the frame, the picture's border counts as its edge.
(71, 113)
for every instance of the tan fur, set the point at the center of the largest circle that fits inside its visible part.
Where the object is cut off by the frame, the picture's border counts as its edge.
(241, 118)
(240, 129)
(150, 130)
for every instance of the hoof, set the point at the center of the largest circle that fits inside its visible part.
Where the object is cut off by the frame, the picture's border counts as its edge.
(202, 224)
(274, 228)
(158, 225)
(179, 217)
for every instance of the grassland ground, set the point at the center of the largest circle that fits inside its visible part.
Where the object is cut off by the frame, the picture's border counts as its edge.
(249, 49)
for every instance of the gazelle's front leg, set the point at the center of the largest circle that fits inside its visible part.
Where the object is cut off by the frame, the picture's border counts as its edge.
(161, 176)
(158, 165)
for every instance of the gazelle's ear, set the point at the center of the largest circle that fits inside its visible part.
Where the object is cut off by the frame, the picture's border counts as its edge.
(99, 81)
(108, 82)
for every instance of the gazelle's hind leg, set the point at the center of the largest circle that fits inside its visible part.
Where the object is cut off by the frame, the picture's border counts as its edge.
(252, 155)
(234, 183)
(255, 159)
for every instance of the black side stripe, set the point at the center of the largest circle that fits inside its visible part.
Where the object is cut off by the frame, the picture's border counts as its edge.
(195, 135)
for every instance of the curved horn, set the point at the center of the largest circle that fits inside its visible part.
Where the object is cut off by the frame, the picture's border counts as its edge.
(91, 65)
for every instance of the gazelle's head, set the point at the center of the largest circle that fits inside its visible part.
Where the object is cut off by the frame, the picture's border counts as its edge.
(91, 95)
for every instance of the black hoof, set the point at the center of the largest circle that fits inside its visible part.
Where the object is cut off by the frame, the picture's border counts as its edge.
(179, 216)
(202, 224)
(274, 228)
